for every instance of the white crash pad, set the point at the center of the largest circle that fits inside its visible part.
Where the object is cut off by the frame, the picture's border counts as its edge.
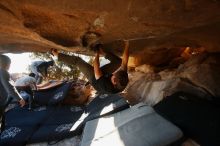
(139, 125)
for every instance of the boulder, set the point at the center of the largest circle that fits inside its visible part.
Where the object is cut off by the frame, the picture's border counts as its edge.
(167, 74)
(145, 68)
(198, 76)
(203, 72)
(151, 90)
(157, 30)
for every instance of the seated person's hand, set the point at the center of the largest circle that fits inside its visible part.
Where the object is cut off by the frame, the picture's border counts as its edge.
(55, 52)
(22, 102)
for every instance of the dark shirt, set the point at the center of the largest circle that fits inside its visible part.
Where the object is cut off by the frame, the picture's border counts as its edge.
(104, 85)
(7, 90)
(41, 66)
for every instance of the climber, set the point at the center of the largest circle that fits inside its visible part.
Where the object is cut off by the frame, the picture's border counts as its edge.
(108, 79)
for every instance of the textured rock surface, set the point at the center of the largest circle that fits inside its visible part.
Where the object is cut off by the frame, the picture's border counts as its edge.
(203, 71)
(159, 30)
(198, 76)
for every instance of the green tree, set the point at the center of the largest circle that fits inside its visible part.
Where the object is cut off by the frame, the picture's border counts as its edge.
(60, 71)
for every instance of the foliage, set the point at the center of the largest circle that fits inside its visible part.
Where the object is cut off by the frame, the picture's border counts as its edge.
(60, 71)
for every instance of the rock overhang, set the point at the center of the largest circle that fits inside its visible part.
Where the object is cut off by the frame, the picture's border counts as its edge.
(158, 30)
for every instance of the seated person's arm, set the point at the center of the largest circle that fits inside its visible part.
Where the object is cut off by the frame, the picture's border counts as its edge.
(125, 56)
(96, 65)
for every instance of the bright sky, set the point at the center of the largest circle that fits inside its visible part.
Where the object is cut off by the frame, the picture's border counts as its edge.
(19, 62)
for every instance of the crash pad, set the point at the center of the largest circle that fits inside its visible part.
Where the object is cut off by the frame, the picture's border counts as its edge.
(198, 118)
(53, 95)
(54, 123)
(139, 125)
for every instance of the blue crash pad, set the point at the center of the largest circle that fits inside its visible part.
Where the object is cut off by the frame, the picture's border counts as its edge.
(52, 123)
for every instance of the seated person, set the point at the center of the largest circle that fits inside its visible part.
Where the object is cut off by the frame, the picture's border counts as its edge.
(8, 93)
(27, 81)
(25, 85)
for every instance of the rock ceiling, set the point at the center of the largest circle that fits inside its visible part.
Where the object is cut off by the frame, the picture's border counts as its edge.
(158, 30)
